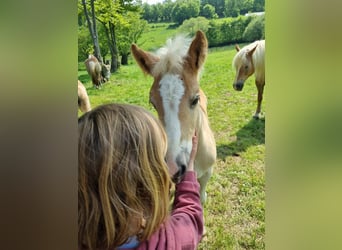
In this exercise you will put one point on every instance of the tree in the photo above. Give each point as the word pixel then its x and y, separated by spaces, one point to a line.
pixel 183 10
pixel 108 15
pixel 259 5
pixel 234 8
pixel 193 8
pixel 147 12
pixel 111 15
pixel 129 33
pixel 179 12
pixel 208 11
pixel 191 25
pixel 231 8
pixel 166 10
pixel 156 12
pixel 255 30
pixel 246 6
pixel 92 28
pixel 219 6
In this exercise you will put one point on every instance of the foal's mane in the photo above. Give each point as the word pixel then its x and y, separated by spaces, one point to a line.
pixel 258 58
pixel 240 54
pixel 172 55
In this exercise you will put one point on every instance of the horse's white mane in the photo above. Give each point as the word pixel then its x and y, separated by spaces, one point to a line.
pixel 172 55
pixel 257 55
pixel 258 58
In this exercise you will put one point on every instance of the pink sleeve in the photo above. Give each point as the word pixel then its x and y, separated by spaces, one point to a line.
pixel 187 214
pixel 184 228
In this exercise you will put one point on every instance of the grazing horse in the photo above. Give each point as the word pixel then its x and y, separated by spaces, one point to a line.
pixel 181 104
pixel 251 60
pixel 83 99
pixel 99 72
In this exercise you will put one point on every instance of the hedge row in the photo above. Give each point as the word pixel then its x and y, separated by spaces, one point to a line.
pixel 235 30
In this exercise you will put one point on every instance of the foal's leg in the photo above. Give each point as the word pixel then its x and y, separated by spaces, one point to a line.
pixel 260 87
pixel 203 183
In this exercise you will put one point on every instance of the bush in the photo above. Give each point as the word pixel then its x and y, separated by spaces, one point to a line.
pixel 227 31
pixel 213 34
pixel 255 29
pixel 190 26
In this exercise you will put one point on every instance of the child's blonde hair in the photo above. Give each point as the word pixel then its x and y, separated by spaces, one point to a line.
pixel 123 179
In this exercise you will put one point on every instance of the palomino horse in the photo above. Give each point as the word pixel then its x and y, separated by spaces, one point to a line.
pixel 83 99
pixel 99 72
pixel 251 59
pixel 181 104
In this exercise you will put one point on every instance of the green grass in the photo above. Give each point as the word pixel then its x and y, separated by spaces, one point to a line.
pixel 156 36
pixel 235 209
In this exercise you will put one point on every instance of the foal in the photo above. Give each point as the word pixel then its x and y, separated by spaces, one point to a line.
pixel 248 61
pixel 180 103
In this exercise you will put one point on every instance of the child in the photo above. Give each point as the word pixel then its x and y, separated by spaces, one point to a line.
pixel 124 183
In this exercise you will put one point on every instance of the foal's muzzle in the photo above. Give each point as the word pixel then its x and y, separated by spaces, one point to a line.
pixel 179 175
pixel 238 86
pixel 181 164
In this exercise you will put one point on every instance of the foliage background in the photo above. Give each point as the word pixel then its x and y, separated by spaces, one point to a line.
pixel 130 19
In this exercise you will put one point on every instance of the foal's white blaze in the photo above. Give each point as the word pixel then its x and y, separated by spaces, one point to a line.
pixel 171 92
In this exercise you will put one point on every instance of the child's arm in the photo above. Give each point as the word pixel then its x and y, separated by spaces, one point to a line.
pixel 187 208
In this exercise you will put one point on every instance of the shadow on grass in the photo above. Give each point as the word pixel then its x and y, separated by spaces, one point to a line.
pixel 172 26
pixel 253 133
pixel 84 78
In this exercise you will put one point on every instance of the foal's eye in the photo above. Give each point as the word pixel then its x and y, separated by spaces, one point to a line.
pixel 195 101
pixel 246 66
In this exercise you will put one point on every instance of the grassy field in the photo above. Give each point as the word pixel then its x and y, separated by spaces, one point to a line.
pixel 235 208
pixel 156 35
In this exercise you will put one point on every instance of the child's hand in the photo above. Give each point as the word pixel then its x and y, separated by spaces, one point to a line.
pixel 193 152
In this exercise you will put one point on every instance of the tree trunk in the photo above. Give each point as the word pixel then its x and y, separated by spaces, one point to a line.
pixel 115 64
pixel 124 59
pixel 92 28
pixel 110 34
pixel 115 56
pixel 97 52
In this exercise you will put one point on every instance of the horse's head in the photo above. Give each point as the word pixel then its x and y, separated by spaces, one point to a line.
pixel 175 93
pixel 243 64
pixel 105 71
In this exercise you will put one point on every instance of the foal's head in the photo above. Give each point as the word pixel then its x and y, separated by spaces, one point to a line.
pixel 243 64
pixel 175 93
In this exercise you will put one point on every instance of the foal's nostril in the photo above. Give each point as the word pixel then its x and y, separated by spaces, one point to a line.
pixel 182 169
pixel 178 176
pixel 238 86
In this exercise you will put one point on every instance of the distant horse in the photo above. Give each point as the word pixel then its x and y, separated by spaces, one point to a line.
pixel 251 59
pixel 99 72
pixel 83 99
pixel 105 72
pixel 181 104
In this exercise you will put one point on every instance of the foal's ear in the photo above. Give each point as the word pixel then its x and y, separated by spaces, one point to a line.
pixel 198 51
pixel 250 52
pixel 237 47
pixel 145 60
